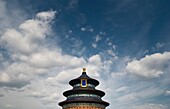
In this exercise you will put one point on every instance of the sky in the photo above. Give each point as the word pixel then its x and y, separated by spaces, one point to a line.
pixel 125 44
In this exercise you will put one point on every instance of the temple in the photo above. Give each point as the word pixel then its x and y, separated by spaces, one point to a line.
pixel 84 95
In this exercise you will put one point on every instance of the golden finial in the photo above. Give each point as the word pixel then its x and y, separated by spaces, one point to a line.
pixel 84 69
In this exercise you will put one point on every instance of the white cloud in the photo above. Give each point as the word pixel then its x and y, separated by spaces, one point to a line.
pixel 51 59
pixel 15 76
pixel 87 28
pixel 149 106
pixel 110 44
pixel 117 74
pixel 15 42
pixel 30 53
pixel 145 52
pixel 167 92
pixel 39 94
pixel 151 66
pixel 9 106
pixel 127 97
pixel 63 77
pixel 46 96
pixel 159 45
pixel 114 47
pixel 93 66
pixel 148 92
pixel 94 45
pixel 95 59
pixel 122 89
pixel 52 98
pixel 30 34
pixel 4 77
pixel 91 29
pixel 112 53
pixel 102 33
pixel 98 38
pixel 83 29
pixel 46 16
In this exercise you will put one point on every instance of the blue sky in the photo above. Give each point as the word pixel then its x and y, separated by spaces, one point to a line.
pixel 122 43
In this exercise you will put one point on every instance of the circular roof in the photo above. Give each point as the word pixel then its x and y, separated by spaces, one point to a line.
pixel 85 91
pixel 84 76
pixel 84 101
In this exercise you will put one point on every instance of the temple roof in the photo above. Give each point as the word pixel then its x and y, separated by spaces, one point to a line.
pixel 84 91
pixel 84 100
pixel 84 76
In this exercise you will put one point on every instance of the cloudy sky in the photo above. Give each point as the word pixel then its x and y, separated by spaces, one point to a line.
pixel 125 44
